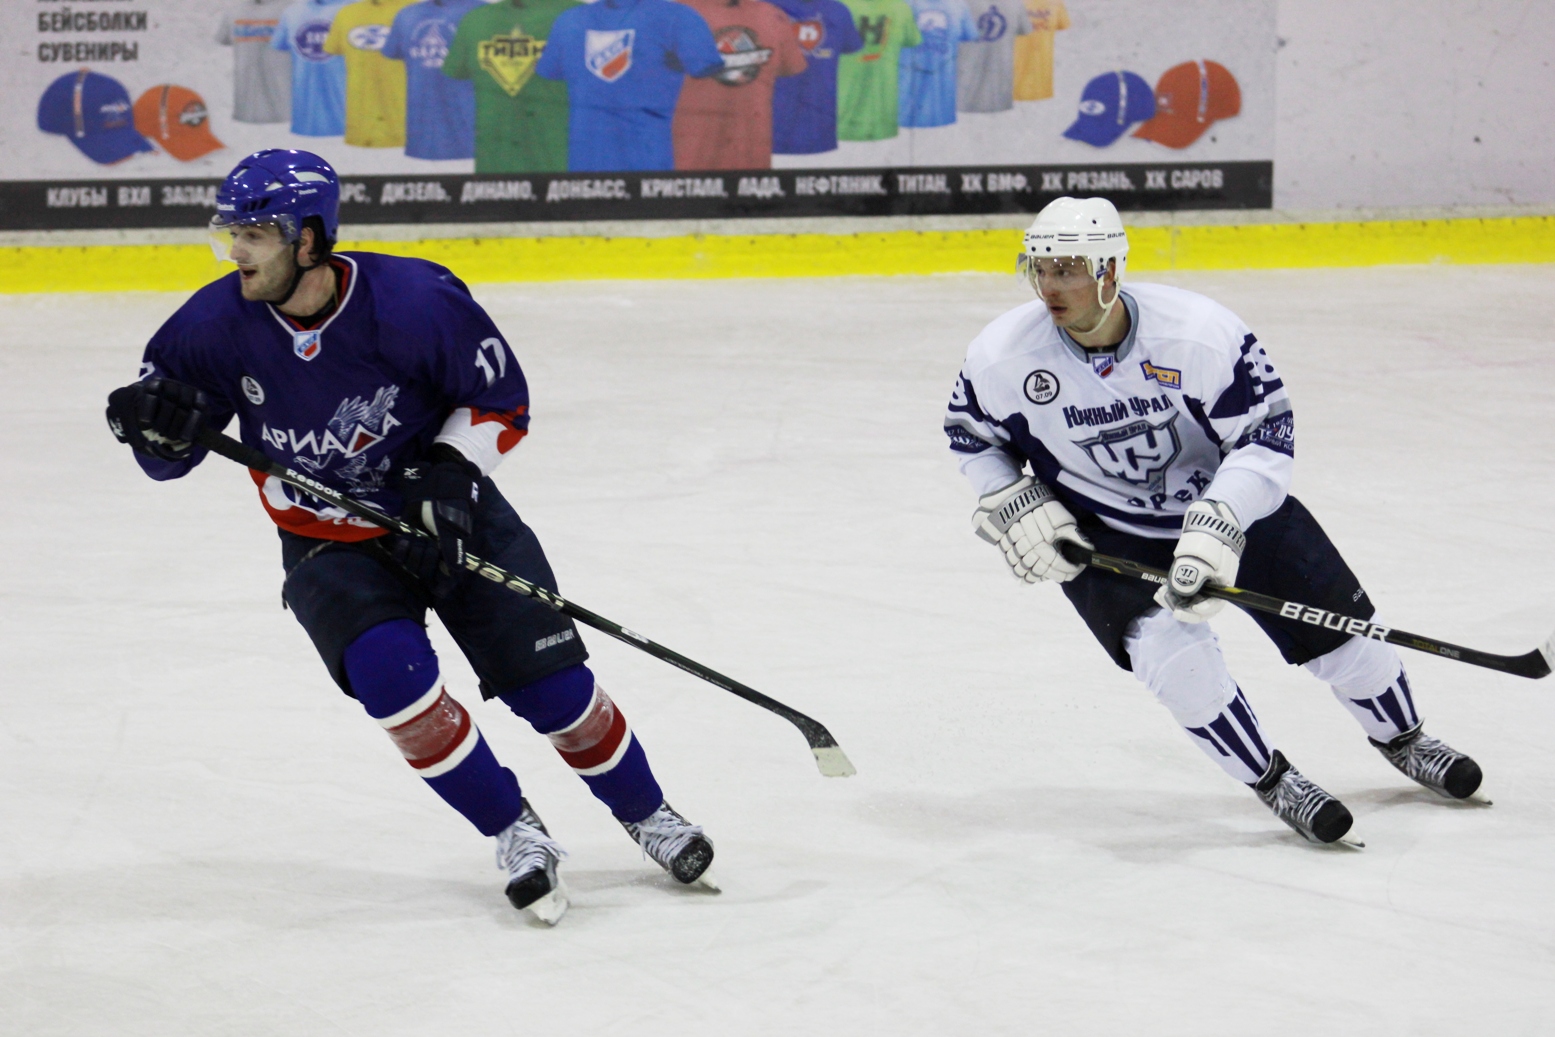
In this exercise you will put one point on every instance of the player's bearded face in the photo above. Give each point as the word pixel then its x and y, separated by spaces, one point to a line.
pixel 265 261
pixel 1067 287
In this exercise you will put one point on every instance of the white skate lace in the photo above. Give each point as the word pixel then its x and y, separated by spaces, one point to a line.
pixel 1296 800
pixel 1424 759
pixel 663 834
pixel 523 848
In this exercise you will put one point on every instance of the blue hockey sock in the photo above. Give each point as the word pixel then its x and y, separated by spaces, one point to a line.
pixel 393 672
pixel 593 737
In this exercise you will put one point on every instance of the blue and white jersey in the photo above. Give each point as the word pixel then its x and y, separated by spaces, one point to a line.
pixel 1188 406
pixel 439 111
pixel 318 77
pixel 407 359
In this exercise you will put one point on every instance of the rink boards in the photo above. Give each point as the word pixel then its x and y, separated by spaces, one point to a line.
pixel 1523 239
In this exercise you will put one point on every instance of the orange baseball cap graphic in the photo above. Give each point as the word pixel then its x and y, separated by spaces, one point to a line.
pixel 1188 99
pixel 176 120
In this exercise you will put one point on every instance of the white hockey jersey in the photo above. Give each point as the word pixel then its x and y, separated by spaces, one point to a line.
pixel 1187 406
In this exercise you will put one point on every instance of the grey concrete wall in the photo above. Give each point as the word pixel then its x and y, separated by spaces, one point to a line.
pixel 1392 103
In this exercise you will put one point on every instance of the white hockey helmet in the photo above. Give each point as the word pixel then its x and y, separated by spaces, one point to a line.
pixel 1088 228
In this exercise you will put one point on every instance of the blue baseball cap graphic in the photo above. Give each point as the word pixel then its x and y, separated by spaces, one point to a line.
pixel 93 112
pixel 1109 105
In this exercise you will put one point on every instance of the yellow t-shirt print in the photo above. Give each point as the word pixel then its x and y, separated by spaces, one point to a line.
pixel 375 86
pixel 1034 51
pixel 510 59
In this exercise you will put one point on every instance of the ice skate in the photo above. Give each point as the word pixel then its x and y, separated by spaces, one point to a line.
pixel 1433 763
pixel 526 851
pixel 1300 803
pixel 676 845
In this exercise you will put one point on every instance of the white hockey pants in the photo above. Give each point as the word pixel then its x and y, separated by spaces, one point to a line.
pixel 1182 666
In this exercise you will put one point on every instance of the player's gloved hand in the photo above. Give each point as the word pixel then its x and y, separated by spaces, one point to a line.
pixel 1026 521
pixel 440 494
pixel 158 416
pixel 1208 552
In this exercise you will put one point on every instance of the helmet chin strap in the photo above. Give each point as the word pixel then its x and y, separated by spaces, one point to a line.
pixel 1106 307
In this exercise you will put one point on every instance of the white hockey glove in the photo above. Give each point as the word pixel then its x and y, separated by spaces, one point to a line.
pixel 1208 552
pixel 1026 521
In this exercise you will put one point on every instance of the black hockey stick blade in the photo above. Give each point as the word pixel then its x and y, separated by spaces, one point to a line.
pixel 1534 664
pixel 829 757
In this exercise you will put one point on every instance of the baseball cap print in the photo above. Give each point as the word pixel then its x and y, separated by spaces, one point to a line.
pixel 1188 100
pixel 176 118
pixel 93 112
pixel 1109 105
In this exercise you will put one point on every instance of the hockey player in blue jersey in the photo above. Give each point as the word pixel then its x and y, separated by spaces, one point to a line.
pixel 381 377
pixel 1156 429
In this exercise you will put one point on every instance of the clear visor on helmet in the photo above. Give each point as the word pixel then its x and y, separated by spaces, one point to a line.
pixel 251 241
pixel 1060 273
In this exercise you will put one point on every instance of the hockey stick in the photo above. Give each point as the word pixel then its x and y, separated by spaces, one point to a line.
pixel 829 756
pixel 1533 664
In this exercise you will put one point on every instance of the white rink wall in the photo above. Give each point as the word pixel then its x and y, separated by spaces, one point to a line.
pixel 1409 103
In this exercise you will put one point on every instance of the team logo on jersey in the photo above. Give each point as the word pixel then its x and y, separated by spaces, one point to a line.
pixel 811 33
pixel 608 54
pixel 1101 363
pixel 368 37
pixel 356 427
pixel 253 390
pixel 934 27
pixel 1041 387
pixel 309 41
pixel 1161 375
pixel 991 25
pixel 307 344
pixel 429 47
pixel 743 57
pixel 510 59
pixel 1139 453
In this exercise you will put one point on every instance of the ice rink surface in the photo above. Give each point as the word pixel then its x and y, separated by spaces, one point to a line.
pixel 201 836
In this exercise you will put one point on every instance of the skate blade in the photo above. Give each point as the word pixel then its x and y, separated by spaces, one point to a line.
pixel 1350 841
pixel 707 882
pixel 550 908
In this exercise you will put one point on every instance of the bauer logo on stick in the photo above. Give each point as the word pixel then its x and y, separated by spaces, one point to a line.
pixel 1041 387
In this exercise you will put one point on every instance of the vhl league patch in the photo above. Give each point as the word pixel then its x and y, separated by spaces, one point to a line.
pixel 307 344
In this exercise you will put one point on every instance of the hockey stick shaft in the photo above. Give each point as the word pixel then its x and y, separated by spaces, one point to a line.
pixel 1533 664
pixel 829 757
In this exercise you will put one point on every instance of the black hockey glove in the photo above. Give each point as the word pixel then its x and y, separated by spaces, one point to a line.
pixel 158 416
pixel 440 493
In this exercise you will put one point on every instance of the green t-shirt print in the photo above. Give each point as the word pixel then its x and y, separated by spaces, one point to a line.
pixel 866 80
pixel 520 119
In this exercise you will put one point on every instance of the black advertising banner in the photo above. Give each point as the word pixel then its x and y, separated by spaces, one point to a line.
pixel 453 111
pixel 36 205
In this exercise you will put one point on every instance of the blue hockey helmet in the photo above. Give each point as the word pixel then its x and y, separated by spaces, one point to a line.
pixel 277 186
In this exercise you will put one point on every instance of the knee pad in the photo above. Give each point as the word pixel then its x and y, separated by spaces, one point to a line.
pixel 393 671
pixel 1361 665
pixel 1182 666
pixel 573 711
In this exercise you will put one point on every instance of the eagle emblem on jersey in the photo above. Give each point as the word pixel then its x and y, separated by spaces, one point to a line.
pixel 1139 453
pixel 608 54
pixel 510 59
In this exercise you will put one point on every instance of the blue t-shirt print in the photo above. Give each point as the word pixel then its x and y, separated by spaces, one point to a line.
pixel 318 79
pixel 624 62
pixel 439 111
pixel 804 107
pixel 926 76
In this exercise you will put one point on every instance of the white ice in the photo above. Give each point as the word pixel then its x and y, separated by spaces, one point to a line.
pixel 199 835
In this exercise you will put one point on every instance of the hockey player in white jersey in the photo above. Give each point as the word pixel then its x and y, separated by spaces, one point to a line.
pixel 1147 422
